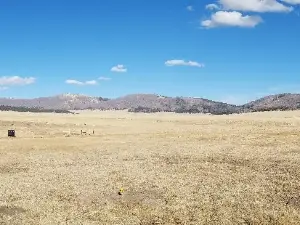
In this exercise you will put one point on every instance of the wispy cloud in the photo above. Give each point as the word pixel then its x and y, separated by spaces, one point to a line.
pixel 180 62
pixel 91 82
pixel 16 81
pixel 119 69
pixel 292 2
pixel 236 19
pixel 212 7
pixel 190 8
pixel 104 78
pixel 257 5
pixel 81 83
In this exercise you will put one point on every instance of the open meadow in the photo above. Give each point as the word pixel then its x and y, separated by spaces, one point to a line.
pixel 174 168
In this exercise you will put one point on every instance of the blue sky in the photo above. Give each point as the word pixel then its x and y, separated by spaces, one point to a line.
pixel 227 50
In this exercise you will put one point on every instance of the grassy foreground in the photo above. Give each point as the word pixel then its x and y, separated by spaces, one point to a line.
pixel 175 169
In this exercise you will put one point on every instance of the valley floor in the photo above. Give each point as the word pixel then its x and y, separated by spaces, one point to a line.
pixel 174 169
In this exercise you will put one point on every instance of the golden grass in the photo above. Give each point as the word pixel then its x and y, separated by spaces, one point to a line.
pixel 175 169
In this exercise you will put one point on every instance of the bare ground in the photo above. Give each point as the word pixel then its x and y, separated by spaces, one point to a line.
pixel 175 169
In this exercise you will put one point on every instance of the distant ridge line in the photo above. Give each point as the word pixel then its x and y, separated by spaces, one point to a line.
pixel 155 103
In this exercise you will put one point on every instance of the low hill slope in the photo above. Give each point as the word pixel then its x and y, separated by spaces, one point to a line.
pixel 155 103
pixel 284 101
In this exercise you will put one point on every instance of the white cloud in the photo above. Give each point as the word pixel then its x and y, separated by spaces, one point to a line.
pixel 104 78
pixel 190 8
pixel 256 5
pixel 292 2
pixel 223 19
pixel 212 7
pixel 179 62
pixel 76 82
pixel 119 69
pixel 91 82
pixel 16 80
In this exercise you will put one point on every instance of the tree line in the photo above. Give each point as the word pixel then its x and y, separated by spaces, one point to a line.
pixel 31 109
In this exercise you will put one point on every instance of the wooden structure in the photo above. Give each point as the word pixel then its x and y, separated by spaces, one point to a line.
pixel 11 133
pixel 86 133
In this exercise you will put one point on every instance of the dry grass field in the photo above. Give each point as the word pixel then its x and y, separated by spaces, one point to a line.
pixel 175 169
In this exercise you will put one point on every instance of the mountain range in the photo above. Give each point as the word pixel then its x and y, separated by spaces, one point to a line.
pixel 155 103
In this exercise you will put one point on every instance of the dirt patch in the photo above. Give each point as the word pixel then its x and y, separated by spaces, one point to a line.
pixel 229 160
pixel 11 210
pixel 294 202
pixel 148 196
pixel 11 169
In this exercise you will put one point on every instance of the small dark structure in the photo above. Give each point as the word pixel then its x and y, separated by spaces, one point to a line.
pixel 11 133
pixel 86 132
